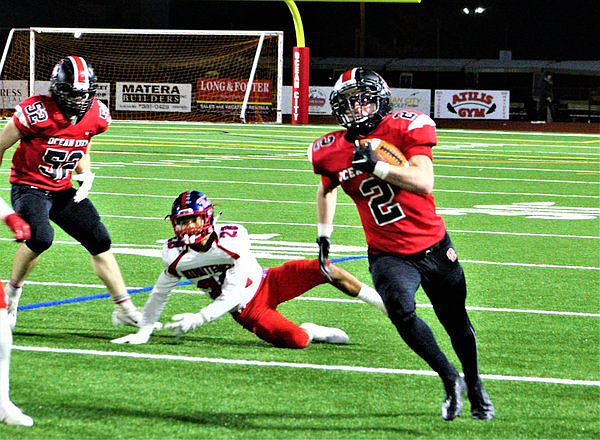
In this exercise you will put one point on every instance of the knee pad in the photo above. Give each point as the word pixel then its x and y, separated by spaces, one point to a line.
pixel 41 238
pixel 97 241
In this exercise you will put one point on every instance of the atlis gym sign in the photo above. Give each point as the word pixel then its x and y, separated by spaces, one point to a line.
pixel 472 104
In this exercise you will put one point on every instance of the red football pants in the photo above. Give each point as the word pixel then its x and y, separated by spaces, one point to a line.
pixel 281 284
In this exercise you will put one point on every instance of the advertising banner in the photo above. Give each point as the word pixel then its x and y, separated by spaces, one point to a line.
pixel 412 99
pixel 12 92
pixel 318 100
pixel 471 104
pixel 226 95
pixel 154 97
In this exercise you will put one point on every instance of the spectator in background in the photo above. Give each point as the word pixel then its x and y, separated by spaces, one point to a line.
pixel 546 99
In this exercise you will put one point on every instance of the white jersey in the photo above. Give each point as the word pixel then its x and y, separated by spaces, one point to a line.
pixel 228 272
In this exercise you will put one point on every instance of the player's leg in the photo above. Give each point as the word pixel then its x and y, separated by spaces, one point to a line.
pixel 33 205
pixel 82 222
pixel 447 290
pixel 397 281
pixel 261 317
pixel 292 279
pixel 276 329
pixel 352 286
pixel 9 413
pixel 296 277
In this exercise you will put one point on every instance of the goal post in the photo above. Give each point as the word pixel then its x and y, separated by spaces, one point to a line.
pixel 178 75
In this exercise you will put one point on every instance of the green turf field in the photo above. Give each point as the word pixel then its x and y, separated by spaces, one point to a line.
pixel 522 209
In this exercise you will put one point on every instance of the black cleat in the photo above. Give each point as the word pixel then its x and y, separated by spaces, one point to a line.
pixel 453 404
pixel 482 407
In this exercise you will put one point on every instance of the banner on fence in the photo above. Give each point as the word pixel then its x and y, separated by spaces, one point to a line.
pixel 471 104
pixel 318 100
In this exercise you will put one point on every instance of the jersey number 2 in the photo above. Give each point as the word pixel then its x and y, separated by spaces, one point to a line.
pixel 381 201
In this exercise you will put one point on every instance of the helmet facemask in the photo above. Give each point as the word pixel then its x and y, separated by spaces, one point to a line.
pixel 360 100
pixel 73 86
pixel 192 229
pixel 192 217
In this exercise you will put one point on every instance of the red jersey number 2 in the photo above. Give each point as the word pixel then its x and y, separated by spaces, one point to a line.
pixel 381 201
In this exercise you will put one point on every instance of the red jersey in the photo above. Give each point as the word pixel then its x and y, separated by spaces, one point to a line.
pixel 51 146
pixel 394 220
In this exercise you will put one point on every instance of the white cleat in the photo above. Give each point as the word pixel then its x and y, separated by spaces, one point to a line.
pixel 10 414
pixel 328 335
pixel 121 317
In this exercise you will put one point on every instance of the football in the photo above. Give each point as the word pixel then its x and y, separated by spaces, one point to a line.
pixel 385 151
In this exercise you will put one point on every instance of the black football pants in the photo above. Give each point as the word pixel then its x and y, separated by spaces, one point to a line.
pixel 397 280
pixel 80 220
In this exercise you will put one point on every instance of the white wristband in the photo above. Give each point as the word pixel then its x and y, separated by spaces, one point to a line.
pixel 324 230
pixel 381 169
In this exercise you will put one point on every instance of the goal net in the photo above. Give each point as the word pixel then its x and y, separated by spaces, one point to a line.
pixel 218 76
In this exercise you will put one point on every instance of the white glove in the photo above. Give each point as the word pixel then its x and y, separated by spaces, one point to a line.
pixel 141 337
pixel 86 178
pixel 185 322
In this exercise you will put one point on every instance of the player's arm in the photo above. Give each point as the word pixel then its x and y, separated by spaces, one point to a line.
pixel 84 176
pixel 326 204
pixel 417 177
pixel 152 310
pixel 229 300
pixel 9 135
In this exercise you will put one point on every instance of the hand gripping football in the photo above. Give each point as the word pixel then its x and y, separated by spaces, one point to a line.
pixel 385 151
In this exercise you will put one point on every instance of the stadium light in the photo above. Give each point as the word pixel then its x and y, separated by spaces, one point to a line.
pixel 476 11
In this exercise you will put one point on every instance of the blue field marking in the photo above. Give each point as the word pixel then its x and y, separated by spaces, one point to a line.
pixel 88 298
pixel 77 299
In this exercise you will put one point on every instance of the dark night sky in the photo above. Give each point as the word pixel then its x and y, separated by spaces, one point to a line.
pixel 534 29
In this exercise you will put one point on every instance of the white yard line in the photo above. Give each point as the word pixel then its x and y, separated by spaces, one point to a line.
pixel 345 368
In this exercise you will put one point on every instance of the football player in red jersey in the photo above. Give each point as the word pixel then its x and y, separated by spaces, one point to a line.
pixel 407 241
pixel 9 412
pixel 54 133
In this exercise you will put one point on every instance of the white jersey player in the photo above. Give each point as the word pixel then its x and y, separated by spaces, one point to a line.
pixel 218 260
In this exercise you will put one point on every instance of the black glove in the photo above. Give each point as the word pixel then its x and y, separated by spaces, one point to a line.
pixel 364 160
pixel 324 244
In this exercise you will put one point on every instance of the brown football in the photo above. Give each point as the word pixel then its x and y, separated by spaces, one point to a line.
pixel 385 151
